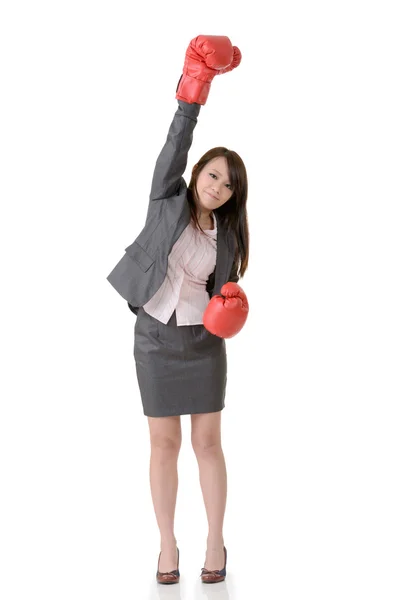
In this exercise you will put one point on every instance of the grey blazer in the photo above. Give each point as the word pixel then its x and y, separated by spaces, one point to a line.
pixel 143 268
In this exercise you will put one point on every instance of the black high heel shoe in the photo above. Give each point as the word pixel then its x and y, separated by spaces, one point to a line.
pixel 170 576
pixel 214 576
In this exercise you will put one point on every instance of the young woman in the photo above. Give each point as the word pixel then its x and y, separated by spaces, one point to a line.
pixel 180 278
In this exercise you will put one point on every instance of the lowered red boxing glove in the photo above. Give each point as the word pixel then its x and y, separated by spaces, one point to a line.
pixel 206 56
pixel 226 314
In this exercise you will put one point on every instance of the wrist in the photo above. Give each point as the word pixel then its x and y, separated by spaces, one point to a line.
pixel 192 90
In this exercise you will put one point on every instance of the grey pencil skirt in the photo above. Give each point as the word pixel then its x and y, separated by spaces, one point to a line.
pixel 181 370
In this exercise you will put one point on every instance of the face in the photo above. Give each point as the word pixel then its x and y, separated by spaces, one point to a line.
pixel 213 184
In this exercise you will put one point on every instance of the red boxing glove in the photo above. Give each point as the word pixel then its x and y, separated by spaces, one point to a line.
pixel 225 316
pixel 206 56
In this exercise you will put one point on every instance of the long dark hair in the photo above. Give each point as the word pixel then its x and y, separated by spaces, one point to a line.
pixel 233 213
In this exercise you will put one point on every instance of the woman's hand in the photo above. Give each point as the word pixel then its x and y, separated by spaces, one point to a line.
pixel 226 314
pixel 206 56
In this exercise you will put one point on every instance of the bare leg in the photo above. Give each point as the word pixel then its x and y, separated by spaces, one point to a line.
pixel 206 442
pixel 165 439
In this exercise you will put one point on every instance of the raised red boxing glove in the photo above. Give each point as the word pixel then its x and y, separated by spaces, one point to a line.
pixel 226 314
pixel 206 56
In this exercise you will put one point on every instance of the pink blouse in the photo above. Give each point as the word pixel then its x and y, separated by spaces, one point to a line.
pixel 191 261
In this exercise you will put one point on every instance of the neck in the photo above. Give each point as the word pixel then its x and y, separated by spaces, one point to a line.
pixel 204 215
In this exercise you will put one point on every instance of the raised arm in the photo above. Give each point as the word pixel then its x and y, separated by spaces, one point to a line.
pixel 206 56
pixel 172 160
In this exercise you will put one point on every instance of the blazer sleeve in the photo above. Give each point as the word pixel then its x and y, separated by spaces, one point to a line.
pixel 233 276
pixel 172 160
pixel 234 273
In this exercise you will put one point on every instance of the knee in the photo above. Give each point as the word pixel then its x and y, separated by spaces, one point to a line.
pixel 167 446
pixel 206 445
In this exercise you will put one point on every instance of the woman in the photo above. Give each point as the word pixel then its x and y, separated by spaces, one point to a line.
pixel 192 243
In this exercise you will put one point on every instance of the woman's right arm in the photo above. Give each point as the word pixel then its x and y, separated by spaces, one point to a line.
pixel 206 56
pixel 172 160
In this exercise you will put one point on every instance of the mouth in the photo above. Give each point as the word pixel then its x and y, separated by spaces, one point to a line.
pixel 213 197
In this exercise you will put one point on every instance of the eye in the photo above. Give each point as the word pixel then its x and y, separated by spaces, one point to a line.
pixel 228 184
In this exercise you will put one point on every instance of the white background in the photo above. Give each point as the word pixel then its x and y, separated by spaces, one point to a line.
pixel 311 424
